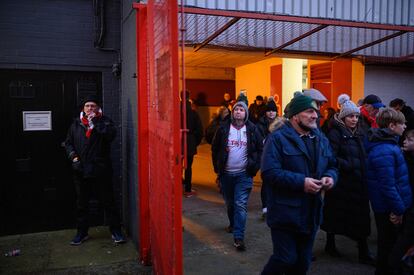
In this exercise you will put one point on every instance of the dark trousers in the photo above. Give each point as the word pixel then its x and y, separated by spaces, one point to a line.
pixel 102 187
pixel 292 253
pixel 404 241
pixel 387 235
pixel 263 195
pixel 188 174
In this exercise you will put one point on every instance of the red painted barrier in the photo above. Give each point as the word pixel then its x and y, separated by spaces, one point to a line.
pixel 159 163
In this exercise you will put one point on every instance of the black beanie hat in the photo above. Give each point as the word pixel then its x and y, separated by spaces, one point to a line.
pixel 271 105
pixel 90 98
pixel 299 104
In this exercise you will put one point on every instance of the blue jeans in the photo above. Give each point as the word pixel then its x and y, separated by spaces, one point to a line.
pixel 236 189
pixel 292 253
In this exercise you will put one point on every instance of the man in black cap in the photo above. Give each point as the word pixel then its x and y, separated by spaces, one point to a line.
pixel 369 109
pixel 257 109
pixel 88 146
pixel 399 105
pixel 297 165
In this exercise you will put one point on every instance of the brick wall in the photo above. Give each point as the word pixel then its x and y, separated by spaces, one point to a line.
pixel 59 35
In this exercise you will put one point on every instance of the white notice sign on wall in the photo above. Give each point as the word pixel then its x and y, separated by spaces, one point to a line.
pixel 37 120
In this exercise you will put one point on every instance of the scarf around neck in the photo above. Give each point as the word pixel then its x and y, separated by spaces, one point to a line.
pixel 88 123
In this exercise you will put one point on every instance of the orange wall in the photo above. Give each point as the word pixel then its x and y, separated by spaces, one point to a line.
pixel 342 80
pixel 358 78
pixel 255 78
pixel 347 77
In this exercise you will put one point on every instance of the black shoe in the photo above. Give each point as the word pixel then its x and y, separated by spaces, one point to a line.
pixel 118 237
pixel 367 259
pixel 239 244
pixel 79 238
pixel 332 251
pixel 229 229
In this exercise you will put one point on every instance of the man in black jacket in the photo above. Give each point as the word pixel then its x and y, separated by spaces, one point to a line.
pixel 194 137
pixel 88 146
pixel 400 105
pixel 236 151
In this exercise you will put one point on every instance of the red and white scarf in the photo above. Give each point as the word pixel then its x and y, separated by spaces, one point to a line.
pixel 88 123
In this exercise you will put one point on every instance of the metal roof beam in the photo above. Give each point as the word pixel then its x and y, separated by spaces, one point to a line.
pixel 370 44
pixel 407 57
pixel 217 33
pixel 296 19
pixel 300 37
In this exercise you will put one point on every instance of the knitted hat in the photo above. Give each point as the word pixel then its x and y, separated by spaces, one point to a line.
pixel 347 106
pixel 271 105
pixel 259 97
pixel 299 104
pixel 90 98
pixel 315 95
pixel 241 101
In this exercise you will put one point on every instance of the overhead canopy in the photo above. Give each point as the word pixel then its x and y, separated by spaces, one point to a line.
pixel 284 34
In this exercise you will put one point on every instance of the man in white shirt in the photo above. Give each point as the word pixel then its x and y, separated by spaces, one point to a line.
pixel 236 150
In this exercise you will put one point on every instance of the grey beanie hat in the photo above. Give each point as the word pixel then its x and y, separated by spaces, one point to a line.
pixel 244 106
pixel 347 106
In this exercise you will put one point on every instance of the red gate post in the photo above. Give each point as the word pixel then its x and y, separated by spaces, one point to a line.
pixel 159 163
pixel 178 235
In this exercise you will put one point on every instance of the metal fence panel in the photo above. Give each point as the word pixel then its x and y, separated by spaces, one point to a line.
pixel 164 190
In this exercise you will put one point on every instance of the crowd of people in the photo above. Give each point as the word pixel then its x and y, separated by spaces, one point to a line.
pixel 319 171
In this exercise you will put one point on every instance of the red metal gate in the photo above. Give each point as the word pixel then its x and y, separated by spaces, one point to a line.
pixel 159 163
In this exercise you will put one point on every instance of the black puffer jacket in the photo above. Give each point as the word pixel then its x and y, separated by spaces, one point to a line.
pixel 254 148
pixel 409 117
pixel 346 210
pixel 93 152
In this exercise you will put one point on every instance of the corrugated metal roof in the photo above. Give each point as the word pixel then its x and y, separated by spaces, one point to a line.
pixel 396 12
pixel 293 34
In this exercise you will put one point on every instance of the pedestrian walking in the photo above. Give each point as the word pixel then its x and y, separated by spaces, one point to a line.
pixel 257 109
pixel 236 151
pixel 369 110
pixel 263 126
pixel 405 239
pixel 223 114
pixel 388 184
pixel 400 105
pixel 346 209
pixel 194 134
pixel 297 165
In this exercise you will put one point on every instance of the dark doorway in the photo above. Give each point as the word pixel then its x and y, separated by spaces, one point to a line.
pixel 36 190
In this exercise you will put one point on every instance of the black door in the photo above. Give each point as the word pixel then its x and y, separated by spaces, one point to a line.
pixel 36 190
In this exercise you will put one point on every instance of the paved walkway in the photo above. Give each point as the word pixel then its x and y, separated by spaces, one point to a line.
pixel 208 249
pixel 50 253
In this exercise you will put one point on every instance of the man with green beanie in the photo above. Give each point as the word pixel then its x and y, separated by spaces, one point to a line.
pixel 297 165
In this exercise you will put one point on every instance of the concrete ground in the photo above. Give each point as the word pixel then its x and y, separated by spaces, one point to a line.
pixel 208 249
pixel 50 253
